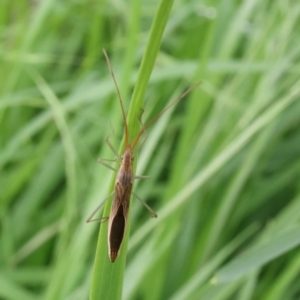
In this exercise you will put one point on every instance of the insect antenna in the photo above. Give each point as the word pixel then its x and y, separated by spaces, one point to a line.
pixel 119 95
pixel 163 111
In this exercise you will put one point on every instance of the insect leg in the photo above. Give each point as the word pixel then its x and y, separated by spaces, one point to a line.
pixel 142 177
pixel 152 212
pixel 146 135
pixel 112 147
pixel 89 219
pixel 102 162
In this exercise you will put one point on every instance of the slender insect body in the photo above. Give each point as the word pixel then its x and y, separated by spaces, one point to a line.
pixel 124 180
pixel 125 174
pixel 120 206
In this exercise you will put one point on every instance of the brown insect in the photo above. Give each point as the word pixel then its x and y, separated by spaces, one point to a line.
pixel 124 180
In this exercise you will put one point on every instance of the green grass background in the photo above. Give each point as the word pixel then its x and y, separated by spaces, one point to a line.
pixel 224 163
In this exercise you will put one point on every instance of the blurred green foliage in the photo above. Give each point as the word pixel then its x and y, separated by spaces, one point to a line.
pixel 224 163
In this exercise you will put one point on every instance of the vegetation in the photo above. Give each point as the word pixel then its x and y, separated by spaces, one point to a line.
pixel 224 162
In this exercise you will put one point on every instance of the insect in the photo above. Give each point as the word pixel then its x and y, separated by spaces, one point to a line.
pixel 117 219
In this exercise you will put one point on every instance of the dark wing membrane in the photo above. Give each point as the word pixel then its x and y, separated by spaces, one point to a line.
pixel 118 218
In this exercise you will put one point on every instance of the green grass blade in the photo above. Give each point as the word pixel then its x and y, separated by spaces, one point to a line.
pixel 259 255
pixel 107 278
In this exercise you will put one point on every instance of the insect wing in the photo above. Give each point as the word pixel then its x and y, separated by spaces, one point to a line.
pixel 118 219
